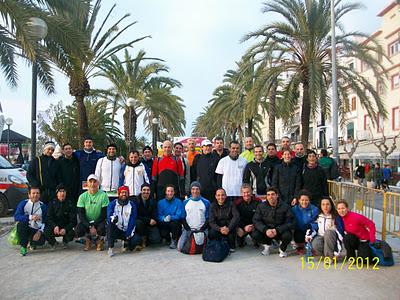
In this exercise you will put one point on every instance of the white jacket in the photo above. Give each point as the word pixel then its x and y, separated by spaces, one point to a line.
pixel 108 172
pixel 134 177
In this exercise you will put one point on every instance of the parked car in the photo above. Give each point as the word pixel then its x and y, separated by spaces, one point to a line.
pixel 13 186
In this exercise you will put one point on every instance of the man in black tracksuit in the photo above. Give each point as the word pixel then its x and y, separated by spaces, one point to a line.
pixel 273 220
pixel 299 158
pixel 272 161
pixel 246 206
pixel 314 179
pixel 146 224
pixel 60 219
pixel 287 179
pixel 256 172
pixel 203 171
pixel 70 174
pixel 223 219
pixel 44 172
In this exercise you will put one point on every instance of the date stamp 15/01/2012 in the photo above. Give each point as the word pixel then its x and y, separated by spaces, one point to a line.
pixel 350 263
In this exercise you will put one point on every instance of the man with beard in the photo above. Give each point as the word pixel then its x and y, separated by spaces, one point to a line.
pixel 121 222
pixel 272 161
pixel 147 160
pixel 43 172
pixel 299 158
pixel 219 149
pixel 230 171
pixel 69 169
pixel 108 169
pixel 133 174
pixel 256 172
pixel 285 145
pixel 203 170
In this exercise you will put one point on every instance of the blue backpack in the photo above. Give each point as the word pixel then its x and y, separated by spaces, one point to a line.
pixel 216 250
pixel 383 252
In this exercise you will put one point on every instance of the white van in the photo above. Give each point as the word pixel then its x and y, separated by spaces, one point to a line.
pixel 13 186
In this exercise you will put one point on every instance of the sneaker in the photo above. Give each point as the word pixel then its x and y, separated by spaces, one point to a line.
pixel 266 250
pixel 88 244
pixel 99 245
pixel 172 245
pixel 52 247
pixel 300 251
pixel 32 247
pixel 23 251
pixel 124 246
pixel 232 250
pixel 110 252
pixel 140 248
pixel 282 253
pixel 65 245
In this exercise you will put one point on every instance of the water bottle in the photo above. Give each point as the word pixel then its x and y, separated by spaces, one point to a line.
pixel 308 248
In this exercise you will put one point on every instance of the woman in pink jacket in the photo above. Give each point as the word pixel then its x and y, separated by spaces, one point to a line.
pixel 359 231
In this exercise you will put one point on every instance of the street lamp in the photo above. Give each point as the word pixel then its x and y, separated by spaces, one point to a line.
pixel 335 117
pixel 9 122
pixel 165 131
pixel 130 102
pixel 155 122
pixel 37 29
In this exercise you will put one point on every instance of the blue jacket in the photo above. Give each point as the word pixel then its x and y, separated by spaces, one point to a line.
pixel 305 217
pixel 173 208
pixel 126 223
pixel 87 162
pixel 21 216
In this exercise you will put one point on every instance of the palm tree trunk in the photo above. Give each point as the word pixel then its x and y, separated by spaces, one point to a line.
pixel 305 114
pixel 250 127
pixel 272 114
pixel 133 122
pixel 83 127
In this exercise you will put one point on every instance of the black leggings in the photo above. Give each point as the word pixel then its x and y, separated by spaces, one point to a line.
pixel 285 237
pixel 114 233
pixel 51 237
pixel 174 228
pixel 26 234
pixel 216 235
pixel 83 230
pixel 353 243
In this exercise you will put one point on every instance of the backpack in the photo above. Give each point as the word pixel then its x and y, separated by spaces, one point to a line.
pixel 382 251
pixel 216 250
pixel 191 247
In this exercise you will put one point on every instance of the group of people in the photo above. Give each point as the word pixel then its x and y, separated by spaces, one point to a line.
pixel 276 198
pixel 381 177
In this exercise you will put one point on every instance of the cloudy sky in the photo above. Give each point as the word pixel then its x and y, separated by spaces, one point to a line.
pixel 199 41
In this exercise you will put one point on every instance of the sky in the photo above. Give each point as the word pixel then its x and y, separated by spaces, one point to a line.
pixel 199 41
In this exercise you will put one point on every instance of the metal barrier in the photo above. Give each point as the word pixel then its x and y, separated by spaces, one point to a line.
pixel 381 207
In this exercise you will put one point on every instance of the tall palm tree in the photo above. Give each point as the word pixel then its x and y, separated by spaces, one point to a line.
pixel 100 42
pixel 302 39
pixel 130 78
pixel 17 40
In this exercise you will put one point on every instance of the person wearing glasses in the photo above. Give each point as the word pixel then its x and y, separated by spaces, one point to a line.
pixel 44 172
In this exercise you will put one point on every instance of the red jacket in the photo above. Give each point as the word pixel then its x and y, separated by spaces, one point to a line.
pixel 360 226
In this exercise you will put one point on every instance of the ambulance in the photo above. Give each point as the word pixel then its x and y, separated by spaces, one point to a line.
pixel 13 186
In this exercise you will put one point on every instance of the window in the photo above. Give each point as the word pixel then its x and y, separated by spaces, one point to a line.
pixel 380 88
pixel 379 122
pixel 396 118
pixel 364 66
pixel 394 48
pixel 367 122
pixel 350 130
pixel 353 103
pixel 395 81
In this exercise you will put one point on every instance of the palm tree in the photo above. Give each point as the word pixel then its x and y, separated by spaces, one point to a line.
pixel 302 40
pixel 131 78
pixel 79 69
pixel 16 38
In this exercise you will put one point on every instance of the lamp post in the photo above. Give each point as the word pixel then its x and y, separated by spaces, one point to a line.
pixel 155 122
pixel 335 117
pixel 38 31
pixel 130 102
pixel 9 122
pixel 165 131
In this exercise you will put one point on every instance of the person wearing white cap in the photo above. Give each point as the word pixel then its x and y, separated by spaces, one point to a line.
pixel 92 213
pixel 43 172
pixel 203 170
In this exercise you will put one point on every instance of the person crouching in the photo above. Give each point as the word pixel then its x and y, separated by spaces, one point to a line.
pixel 121 221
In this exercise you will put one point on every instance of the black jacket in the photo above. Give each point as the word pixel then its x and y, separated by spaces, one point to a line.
pixel 272 162
pixel 44 172
pixel 69 177
pixel 280 217
pixel 62 214
pixel 314 181
pixel 287 179
pixel 256 174
pixel 223 215
pixel 146 209
pixel 225 152
pixel 246 211
pixel 299 162
pixel 203 171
